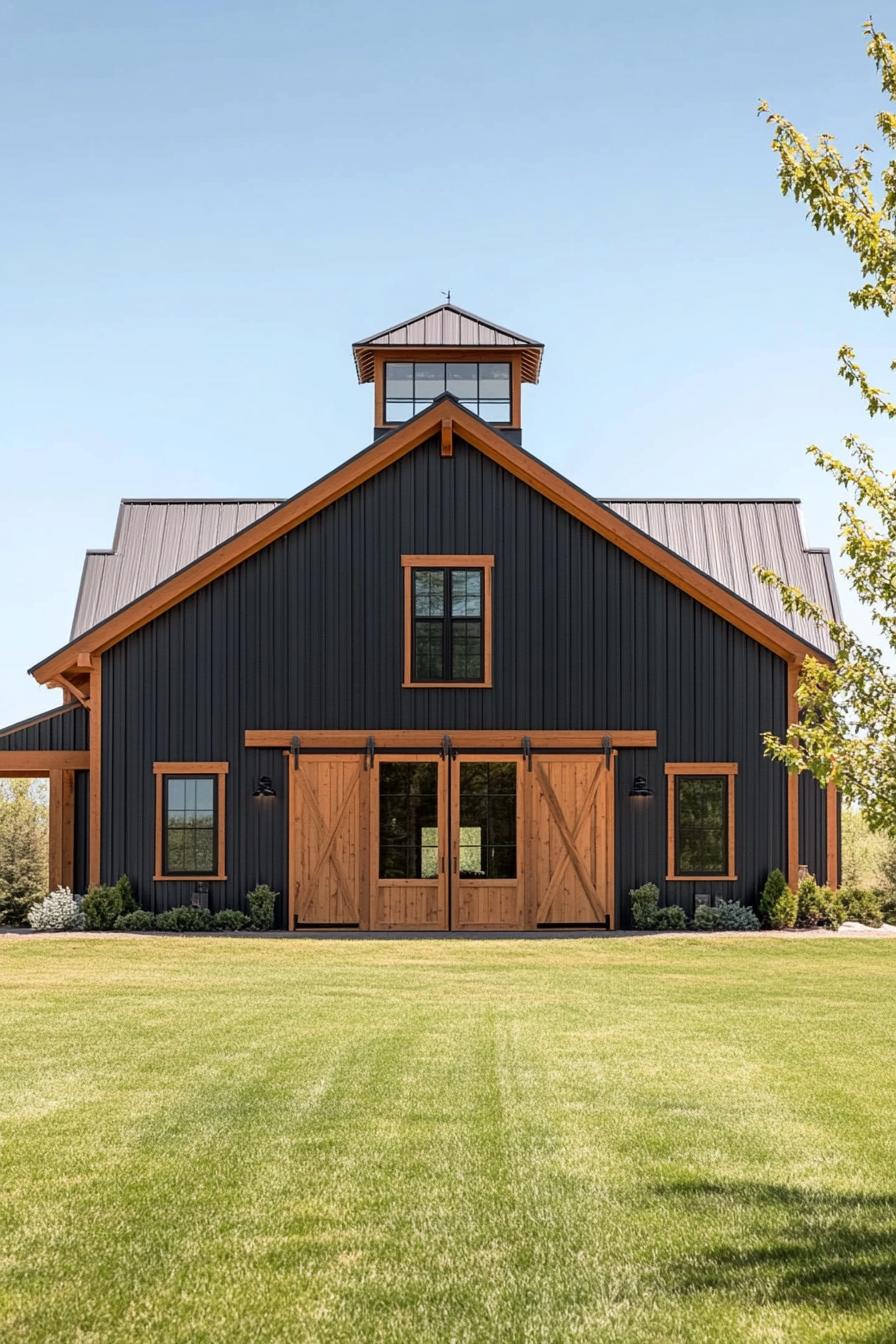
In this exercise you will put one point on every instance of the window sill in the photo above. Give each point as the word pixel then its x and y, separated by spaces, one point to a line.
pixel 724 877
pixel 446 685
pixel 189 877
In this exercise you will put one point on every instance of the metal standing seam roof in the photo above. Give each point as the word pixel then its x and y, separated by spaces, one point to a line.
pixel 450 326
pixel 154 538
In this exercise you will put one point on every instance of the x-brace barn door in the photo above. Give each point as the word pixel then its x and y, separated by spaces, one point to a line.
pixel 570 829
pixel 329 818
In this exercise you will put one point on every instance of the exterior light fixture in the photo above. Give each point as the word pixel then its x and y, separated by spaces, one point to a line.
pixel 639 788
pixel 264 788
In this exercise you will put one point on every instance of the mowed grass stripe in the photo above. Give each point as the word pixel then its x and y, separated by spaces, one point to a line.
pixel 209 1139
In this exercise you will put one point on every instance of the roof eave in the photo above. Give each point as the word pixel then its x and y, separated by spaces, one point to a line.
pixel 373 459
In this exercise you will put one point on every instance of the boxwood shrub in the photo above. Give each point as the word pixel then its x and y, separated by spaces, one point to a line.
pixel 184 919
pixel 135 921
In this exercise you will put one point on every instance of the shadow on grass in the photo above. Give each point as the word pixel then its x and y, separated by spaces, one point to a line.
pixel 786 1244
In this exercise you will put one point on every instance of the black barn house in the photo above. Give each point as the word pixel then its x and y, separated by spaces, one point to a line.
pixel 442 687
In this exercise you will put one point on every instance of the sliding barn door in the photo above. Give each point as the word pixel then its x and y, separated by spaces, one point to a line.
pixel 570 840
pixel 409 826
pixel 329 841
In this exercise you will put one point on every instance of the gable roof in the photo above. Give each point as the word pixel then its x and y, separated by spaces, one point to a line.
pixel 278 518
pixel 155 538
pixel 450 326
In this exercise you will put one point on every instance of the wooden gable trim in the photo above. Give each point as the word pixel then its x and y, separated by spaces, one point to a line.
pixel 386 450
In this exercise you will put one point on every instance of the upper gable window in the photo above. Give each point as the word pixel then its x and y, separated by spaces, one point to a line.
pixel 448 620
pixel 483 389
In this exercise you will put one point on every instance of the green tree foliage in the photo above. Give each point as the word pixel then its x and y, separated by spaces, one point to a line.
pixel 24 847
pixel 847 728
pixel 869 857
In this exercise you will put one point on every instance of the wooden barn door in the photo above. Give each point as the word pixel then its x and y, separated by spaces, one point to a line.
pixel 487 849
pixel 571 840
pixel 409 826
pixel 329 841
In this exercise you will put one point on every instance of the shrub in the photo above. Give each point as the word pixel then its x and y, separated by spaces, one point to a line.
pixel 818 907
pixel 184 919
pixel 704 919
pixel 731 915
pixel 645 903
pixel 60 910
pixel 230 919
pixel 135 920
pixel 887 906
pixel 261 906
pixel 125 889
pixel 777 904
pixel 864 906
pixel 101 907
pixel 725 916
pixel 670 917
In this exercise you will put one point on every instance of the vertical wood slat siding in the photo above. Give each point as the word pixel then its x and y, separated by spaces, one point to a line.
pixel 67 730
pixel 813 827
pixel 308 633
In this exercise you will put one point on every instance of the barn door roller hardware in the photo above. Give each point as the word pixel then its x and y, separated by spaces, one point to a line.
pixel 295 747
pixel 369 753
pixel 526 748
pixel 448 753
pixel 607 745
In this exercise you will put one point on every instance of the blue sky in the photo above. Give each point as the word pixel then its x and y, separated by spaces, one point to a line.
pixel 205 203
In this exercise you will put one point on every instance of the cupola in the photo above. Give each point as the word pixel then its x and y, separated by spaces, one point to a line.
pixel 448 351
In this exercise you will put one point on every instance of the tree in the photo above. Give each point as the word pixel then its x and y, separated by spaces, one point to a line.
pixel 24 847
pixel 847 729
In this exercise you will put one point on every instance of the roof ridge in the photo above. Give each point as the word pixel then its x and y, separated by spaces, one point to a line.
pixel 448 308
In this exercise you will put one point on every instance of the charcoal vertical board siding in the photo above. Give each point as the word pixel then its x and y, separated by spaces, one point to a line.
pixel 62 729
pixel 813 827
pixel 80 878
pixel 308 634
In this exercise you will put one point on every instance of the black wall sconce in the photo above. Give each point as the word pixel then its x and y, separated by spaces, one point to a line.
pixel 639 788
pixel 264 788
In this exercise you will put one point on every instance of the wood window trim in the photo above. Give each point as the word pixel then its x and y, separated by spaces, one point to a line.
pixel 484 562
pixel 676 769
pixel 219 770
pixel 463 354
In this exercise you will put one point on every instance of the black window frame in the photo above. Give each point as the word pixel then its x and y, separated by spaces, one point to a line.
pixel 488 795
pixel 448 622
pixel 186 873
pixel 480 401
pixel 703 870
pixel 412 846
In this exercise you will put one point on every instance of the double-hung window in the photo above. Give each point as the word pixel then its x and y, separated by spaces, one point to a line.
pixel 190 820
pixel 447 620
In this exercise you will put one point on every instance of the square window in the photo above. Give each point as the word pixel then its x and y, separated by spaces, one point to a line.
pixel 399 382
pixel 429 381
pixel 463 382
pixel 494 382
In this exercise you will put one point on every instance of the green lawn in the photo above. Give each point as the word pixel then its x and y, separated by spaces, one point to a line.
pixel 631 1139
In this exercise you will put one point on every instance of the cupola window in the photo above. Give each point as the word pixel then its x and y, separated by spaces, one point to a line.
pixel 482 388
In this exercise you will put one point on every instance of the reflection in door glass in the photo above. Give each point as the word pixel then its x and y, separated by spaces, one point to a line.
pixel 487 839
pixel 409 820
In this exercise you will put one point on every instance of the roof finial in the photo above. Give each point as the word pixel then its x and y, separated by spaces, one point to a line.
pixel 447 293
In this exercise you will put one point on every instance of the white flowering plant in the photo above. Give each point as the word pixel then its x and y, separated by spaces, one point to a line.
pixel 59 911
